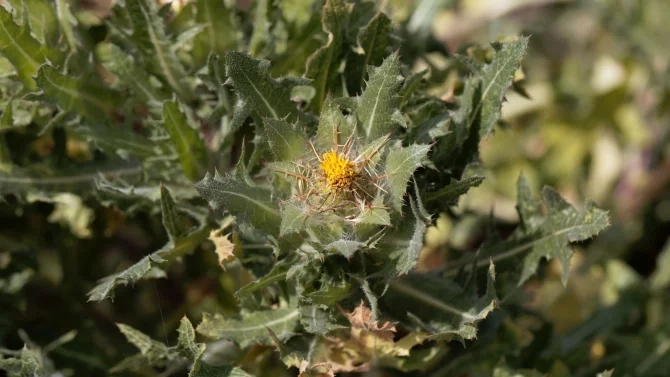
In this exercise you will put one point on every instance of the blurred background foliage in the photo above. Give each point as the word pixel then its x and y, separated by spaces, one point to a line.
pixel 589 117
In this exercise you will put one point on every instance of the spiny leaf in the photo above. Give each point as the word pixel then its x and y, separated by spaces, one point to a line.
pixel 399 167
pixel 171 221
pixel 149 267
pixel 552 234
pixel 293 218
pixel 496 78
pixel 74 179
pixel 21 49
pixel 186 344
pixel 331 291
pixel 331 123
pixel 81 95
pixel 373 42
pixel 42 19
pixel 317 319
pixel 257 91
pixel 120 141
pixel 432 129
pixel 155 46
pixel 129 76
pixel 28 364
pixel 440 307
pixel 450 193
pixel 411 241
pixel 543 235
pixel 250 204
pixel 251 328
pixel 411 85
pixel 187 142
pixel 377 111
pixel 346 248
pixel 277 274
pixel 375 214
pixel 323 65
pixel 145 343
pixel 261 36
pixel 286 144
pixel 158 354
pixel 66 19
pixel 219 33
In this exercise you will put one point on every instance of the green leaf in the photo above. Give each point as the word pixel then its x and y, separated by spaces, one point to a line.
pixel 157 354
pixel 257 91
pixel 496 79
pixel 543 234
pixel 346 248
pixel 129 74
pixel 81 95
pixel 120 141
pixel 66 19
pixel 152 349
pixel 251 327
pixel 440 307
pixel 261 36
pixel 372 300
pixel 220 31
pixel 373 42
pixel 460 146
pixel 406 256
pixel 193 351
pixel 553 233
pixel 323 65
pixel 401 162
pixel 317 319
pixel 249 204
pixel 28 364
pixel 187 141
pixel 332 122
pixel 171 221
pixel 293 218
pixel 41 17
pixel 186 344
pixel 21 49
pixel 155 46
pixel 151 266
pixel 375 214
pixel 7 118
pixel 607 373
pixel 432 129
pixel 331 291
pixel 286 144
pixel 276 275
pixel 450 193
pixel 377 111
pixel 75 179
pixel 410 86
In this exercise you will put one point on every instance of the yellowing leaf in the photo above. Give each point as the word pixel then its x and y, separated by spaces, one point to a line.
pixel 225 249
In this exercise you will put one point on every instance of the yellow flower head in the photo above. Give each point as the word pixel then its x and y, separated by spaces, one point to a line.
pixel 338 170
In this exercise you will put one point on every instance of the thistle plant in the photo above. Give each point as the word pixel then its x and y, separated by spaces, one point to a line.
pixel 316 165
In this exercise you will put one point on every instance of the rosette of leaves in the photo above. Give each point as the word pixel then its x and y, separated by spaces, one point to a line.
pixel 336 125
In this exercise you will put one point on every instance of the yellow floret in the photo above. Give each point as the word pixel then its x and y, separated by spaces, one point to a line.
pixel 339 171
